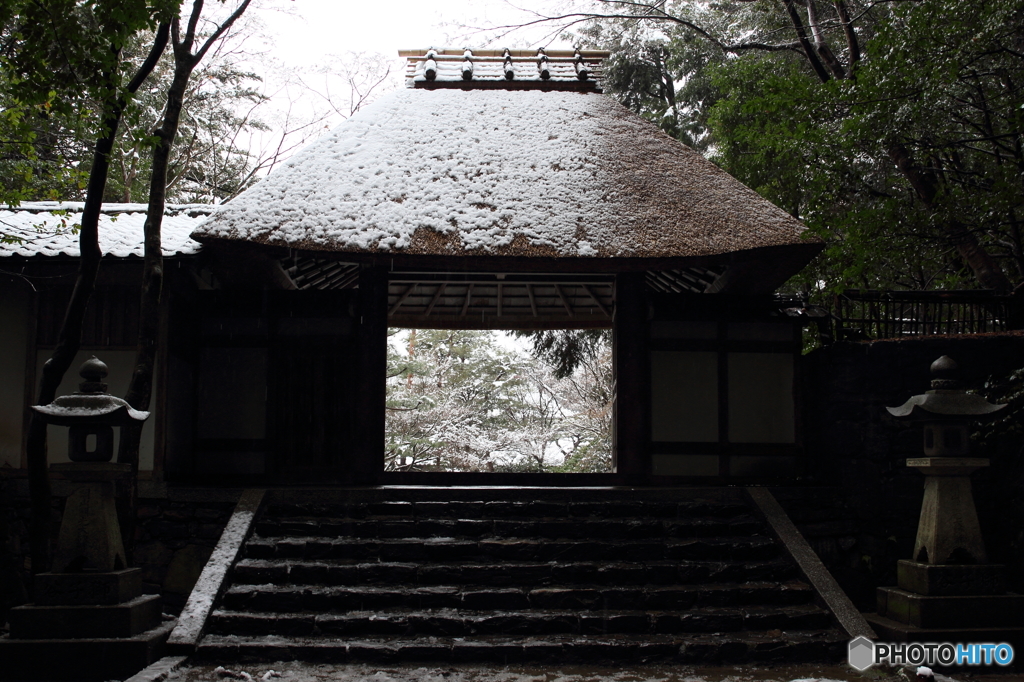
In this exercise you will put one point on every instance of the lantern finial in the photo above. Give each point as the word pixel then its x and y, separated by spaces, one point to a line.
pixel 946 373
pixel 93 371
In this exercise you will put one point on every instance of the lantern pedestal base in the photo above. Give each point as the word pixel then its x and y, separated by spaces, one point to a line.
pixel 77 621
pixel 950 611
pixel 948 530
pixel 949 603
pixel 83 659
pixel 950 580
pixel 889 630
pixel 115 587
pixel 88 625
pixel 90 536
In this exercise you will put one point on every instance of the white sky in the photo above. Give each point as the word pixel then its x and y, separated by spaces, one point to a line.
pixel 308 30
pixel 308 49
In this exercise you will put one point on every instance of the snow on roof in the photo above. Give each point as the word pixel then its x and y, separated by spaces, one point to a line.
pixel 50 228
pixel 505 173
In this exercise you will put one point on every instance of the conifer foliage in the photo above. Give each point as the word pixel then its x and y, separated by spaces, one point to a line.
pixel 894 130
pixel 463 401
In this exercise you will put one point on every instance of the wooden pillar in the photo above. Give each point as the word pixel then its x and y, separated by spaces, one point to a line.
pixel 367 460
pixel 631 367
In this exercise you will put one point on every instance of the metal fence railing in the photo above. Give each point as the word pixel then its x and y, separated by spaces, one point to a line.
pixel 872 314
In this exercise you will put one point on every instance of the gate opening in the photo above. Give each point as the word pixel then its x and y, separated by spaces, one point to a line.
pixel 463 400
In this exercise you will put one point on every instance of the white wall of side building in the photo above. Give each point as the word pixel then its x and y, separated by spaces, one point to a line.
pixel 15 307
pixel 120 364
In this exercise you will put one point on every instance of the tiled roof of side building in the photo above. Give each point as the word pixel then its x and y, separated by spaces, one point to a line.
pixel 50 228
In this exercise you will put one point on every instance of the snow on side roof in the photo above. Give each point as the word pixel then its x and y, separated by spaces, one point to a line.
pixel 506 173
pixel 37 230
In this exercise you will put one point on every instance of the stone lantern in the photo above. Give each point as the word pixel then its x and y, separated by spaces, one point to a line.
pixel 948 589
pixel 90 537
pixel 89 613
pixel 948 532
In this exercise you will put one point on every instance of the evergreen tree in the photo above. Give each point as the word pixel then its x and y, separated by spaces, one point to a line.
pixel 460 401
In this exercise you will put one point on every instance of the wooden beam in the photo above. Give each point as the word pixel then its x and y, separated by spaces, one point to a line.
pixel 465 304
pixel 401 300
pixel 631 411
pixel 533 301
pixel 565 302
pixel 524 321
pixel 437 296
pixel 499 298
pixel 655 284
pixel 600 305
pixel 667 283
pixel 366 457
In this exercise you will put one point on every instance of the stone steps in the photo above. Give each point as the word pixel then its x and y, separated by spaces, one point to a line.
pixel 445 549
pixel 550 528
pixel 584 575
pixel 578 504
pixel 300 572
pixel 739 647
pixel 287 598
pixel 461 623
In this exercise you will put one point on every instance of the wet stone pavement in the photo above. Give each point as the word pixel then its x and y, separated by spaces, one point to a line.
pixel 294 671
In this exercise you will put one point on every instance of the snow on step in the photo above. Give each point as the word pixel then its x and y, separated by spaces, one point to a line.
pixel 440 549
pixel 582 597
pixel 281 571
pixel 792 646
pixel 452 622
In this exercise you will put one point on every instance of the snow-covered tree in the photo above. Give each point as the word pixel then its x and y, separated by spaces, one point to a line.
pixel 461 401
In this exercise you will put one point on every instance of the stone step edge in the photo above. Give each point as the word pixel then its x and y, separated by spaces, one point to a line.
pixel 739 517
pixel 809 607
pixel 249 588
pixel 434 541
pixel 514 500
pixel 791 609
pixel 289 571
pixel 653 563
pixel 790 646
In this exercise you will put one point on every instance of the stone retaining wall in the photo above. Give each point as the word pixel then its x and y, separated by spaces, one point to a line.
pixel 174 537
pixel 867 519
pixel 173 540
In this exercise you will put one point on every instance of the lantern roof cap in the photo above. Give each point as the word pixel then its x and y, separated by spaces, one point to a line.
pixel 945 403
pixel 946 399
pixel 91 404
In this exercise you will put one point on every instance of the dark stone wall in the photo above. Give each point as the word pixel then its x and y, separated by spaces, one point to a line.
pixel 865 517
pixel 174 536
pixel 173 540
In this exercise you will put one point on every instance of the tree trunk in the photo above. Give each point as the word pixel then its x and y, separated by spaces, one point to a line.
pixel 141 387
pixel 985 269
pixel 68 341
pixel 70 337
pixel 805 43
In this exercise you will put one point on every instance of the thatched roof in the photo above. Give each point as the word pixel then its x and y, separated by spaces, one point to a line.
pixel 489 172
